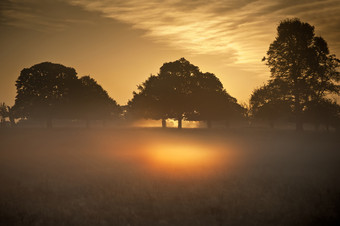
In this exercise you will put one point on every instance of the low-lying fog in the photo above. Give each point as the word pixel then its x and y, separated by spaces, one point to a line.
pixel 168 177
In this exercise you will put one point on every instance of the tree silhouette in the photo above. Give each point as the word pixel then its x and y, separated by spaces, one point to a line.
pixel 271 103
pixel 150 102
pixel 168 94
pixel 181 91
pixel 302 62
pixel 3 113
pixel 93 102
pixel 323 111
pixel 177 82
pixel 45 91
pixel 210 101
pixel 11 115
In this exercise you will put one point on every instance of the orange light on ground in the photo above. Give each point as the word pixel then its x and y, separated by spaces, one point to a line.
pixel 179 154
pixel 173 155
pixel 182 157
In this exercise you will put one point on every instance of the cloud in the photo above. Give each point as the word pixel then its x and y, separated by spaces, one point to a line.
pixel 239 30
pixel 43 16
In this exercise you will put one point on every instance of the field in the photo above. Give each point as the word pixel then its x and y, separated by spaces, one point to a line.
pixel 168 177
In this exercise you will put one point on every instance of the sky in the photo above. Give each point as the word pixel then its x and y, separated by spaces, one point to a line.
pixel 121 42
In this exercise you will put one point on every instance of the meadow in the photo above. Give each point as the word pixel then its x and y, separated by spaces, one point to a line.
pixel 152 176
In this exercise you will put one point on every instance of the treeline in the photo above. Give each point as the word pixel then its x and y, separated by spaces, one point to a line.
pixel 48 91
pixel 180 91
pixel 303 75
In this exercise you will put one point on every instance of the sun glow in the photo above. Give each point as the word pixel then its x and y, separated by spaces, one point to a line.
pixel 184 155
pixel 184 158
pixel 178 156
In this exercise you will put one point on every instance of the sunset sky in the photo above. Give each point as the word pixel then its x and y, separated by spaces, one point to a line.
pixel 121 42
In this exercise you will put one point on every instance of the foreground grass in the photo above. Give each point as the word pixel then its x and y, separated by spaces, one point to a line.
pixel 97 177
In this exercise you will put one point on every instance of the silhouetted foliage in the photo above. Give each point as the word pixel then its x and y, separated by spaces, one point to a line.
pixel 323 111
pixel 271 103
pixel 177 82
pixel 46 91
pixel 181 91
pixel 210 101
pixel 301 61
pixel 50 91
pixel 93 102
pixel 3 114
pixel 149 101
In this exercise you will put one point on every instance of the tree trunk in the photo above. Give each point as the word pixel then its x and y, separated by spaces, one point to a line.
pixel 163 123
pixel 11 119
pixel 209 124
pixel 179 123
pixel 297 104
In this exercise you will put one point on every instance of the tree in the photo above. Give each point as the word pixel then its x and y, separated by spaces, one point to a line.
pixel 271 103
pixel 302 62
pixel 45 91
pixel 177 79
pixel 7 112
pixel 181 91
pixel 93 102
pixel 3 113
pixel 168 94
pixel 149 102
pixel 323 111
pixel 211 101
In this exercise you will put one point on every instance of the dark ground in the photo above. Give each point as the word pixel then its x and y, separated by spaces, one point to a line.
pixel 100 177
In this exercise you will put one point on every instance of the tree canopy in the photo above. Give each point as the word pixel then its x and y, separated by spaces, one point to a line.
pixel 211 101
pixel 323 111
pixel 181 91
pixel 49 91
pixel 302 64
pixel 93 102
pixel 45 91
pixel 271 103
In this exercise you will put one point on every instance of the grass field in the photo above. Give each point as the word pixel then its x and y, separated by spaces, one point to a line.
pixel 168 177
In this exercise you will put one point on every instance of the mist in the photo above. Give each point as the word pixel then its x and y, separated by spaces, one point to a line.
pixel 116 177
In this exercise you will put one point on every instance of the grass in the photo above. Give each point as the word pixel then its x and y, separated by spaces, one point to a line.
pixel 106 177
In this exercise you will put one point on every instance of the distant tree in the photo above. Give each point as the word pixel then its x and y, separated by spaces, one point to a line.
pixel 93 102
pixel 45 91
pixel 149 101
pixel 177 93
pixel 11 115
pixel 3 113
pixel 181 91
pixel 271 103
pixel 7 112
pixel 211 101
pixel 168 94
pixel 323 111
pixel 302 62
